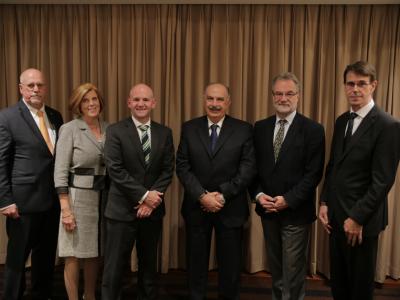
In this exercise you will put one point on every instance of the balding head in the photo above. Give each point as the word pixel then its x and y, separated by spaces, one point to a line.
pixel 141 102
pixel 216 101
pixel 32 86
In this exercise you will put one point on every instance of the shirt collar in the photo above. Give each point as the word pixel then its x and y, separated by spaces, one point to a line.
pixel 137 123
pixel 32 109
pixel 220 122
pixel 289 118
pixel 363 111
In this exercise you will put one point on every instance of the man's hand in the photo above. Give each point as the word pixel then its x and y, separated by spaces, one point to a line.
pixel 267 202
pixel 323 217
pixel 212 202
pixel 144 211
pixel 280 203
pixel 11 211
pixel 353 232
pixel 153 199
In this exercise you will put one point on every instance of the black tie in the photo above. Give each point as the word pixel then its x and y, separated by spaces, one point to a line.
pixel 213 136
pixel 349 130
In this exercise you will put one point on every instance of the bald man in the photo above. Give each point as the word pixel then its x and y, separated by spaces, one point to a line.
pixel 28 133
pixel 139 155
pixel 215 164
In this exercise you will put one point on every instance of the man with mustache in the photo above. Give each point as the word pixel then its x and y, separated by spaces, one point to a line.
pixel 362 167
pixel 215 164
pixel 290 152
pixel 28 132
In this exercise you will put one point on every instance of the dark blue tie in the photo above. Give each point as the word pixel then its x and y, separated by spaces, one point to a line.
pixel 213 136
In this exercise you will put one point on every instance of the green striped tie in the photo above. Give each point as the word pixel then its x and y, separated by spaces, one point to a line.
pixel 145 142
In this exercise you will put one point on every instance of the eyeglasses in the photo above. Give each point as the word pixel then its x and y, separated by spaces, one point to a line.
pixel 352 84
pixel 281 95
pixel 31 86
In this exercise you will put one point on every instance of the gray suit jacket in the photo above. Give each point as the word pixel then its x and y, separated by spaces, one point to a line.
pixel 26 164
pixel 78 152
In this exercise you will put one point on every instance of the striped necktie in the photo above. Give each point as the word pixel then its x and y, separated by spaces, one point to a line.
pixel 145 142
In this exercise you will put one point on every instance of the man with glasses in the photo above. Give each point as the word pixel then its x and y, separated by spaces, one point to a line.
pixel 28 132
pixel 362 167
pixel 290 153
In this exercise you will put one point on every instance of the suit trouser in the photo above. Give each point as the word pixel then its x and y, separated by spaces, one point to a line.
pixel 352 268
pixel 287 247
pixel 229 257
pixel 121 237
pixel 36 232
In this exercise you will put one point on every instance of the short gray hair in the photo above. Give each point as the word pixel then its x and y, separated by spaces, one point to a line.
pixel 287 76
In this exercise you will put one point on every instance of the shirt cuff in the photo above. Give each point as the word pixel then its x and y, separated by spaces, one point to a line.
pixel 258 196
pixel 143 198
pixel 4 208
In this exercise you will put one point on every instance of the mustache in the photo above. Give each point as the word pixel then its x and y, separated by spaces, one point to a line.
pixel 214 107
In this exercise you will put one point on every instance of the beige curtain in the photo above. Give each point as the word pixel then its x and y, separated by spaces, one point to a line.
pixel 178 49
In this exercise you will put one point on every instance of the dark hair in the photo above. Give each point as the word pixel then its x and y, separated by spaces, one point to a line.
pixel 362 68
pixel 287 76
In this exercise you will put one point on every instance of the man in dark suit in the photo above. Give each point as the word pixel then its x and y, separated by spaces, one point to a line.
pixel 28 132
pixel 362 167
pixel 290 153
pixel 215 163
pixel 139 155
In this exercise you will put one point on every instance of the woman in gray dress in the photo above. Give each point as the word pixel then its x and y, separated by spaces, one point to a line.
pixel 80 179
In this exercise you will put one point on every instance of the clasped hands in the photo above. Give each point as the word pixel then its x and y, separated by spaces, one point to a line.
pixel 272 204
pixel 212 202
pixel 151 202
pixel 352 229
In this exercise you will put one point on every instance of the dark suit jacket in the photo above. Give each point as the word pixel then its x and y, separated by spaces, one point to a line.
pixel 130 178
pixel 297 171
pixel 228 170
pixel 26 164
pixel 358 180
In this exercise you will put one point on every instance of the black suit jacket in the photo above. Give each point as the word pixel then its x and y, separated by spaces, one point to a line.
pixel 130 178
pixel 26 164
pixel 358 180
pixel 228 170
pixel 297 171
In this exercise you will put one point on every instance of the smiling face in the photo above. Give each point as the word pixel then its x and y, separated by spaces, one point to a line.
pixel 90 105
pixel 359 90
pixel 141 102
pixel 285 97
pixel 216 102
pixel 33 87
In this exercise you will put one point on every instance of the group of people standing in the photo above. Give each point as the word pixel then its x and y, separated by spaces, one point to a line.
pixel 108 182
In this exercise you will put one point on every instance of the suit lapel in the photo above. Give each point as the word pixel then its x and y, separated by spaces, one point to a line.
pixel 203 133
pixel 268 145
pixel 86 131
pixel 155 142
pixel 27 116
pixel 365 124
pixel 133 135
pixel 224 134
